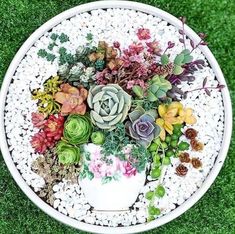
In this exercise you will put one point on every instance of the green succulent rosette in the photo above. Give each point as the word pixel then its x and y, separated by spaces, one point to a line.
pixel 98 138
pixel 77 129
pixel 158 88
pixel 109 105
pixel 67 154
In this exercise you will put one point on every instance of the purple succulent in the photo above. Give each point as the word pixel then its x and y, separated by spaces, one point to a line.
pixel 142 126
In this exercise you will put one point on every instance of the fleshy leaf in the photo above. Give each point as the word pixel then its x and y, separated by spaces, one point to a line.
pixel 138 91
pixel 177 70
pixel 152 97
pixel 164 59
pixel 179 59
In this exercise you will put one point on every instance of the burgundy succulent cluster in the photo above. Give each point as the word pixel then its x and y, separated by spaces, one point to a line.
pixel 138 63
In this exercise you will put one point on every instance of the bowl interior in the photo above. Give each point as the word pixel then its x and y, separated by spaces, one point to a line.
pixel 140 227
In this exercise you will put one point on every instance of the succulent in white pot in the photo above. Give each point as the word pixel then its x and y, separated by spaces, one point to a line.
pixel 108 182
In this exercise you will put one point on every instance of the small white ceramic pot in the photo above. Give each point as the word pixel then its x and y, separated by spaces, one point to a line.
pixel 114 195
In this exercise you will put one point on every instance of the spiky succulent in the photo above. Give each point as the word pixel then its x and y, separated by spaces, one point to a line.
pixel 109 105
pixel 142 127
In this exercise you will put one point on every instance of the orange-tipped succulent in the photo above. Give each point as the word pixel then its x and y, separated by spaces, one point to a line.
pixel 72 99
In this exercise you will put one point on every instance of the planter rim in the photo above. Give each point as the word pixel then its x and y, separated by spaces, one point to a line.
pixel 89 227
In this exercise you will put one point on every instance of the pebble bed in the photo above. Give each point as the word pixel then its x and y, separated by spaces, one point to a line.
pixel 110 25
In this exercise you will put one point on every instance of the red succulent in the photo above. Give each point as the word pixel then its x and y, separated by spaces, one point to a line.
pixel 54 127
pixel 136 48
pixel 116 44
pixel 40 142
pixel 51 131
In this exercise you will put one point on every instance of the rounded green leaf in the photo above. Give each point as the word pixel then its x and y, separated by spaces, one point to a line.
pixel 139 92
pixel 179 59
pixel 177 70
pixel 160 191
pixel 164 59
pixel 149 195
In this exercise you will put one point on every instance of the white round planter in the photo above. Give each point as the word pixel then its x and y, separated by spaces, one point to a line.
pixel 93 228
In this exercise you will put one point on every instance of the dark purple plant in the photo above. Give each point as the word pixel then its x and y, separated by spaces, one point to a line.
pixel 169 46
pixel 187 74
pixel 206 88
pixel 182 32
pixel 182 39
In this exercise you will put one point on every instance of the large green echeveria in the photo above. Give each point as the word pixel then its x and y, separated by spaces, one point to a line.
pixel 77 129
pixel 109 105
pixel 67 154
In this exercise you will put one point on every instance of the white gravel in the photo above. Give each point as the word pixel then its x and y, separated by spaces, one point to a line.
pixel 111 25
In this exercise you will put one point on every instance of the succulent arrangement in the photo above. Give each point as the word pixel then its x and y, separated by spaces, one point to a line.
pixel 123 102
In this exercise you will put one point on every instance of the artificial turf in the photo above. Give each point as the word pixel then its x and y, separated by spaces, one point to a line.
pixel 215 212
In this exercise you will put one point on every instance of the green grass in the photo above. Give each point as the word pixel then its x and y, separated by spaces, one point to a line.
pixel 215 212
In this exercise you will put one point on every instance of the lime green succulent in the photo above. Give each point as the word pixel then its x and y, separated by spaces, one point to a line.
pixel 46 103
pixel 109 105
pixel 52 85
pixel 98 138
pixel 67 154
pixel 77 129
pixel 158 88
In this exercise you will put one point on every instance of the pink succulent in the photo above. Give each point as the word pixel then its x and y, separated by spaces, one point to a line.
pixel 130 84
pixel 72 99
pixel 38 120
pixel 153 47
pixel 136 58
pixel 101 77
pixel 143 34
pixel 142 71
pixel 136 48
pixel 139 82
pixel 126 61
